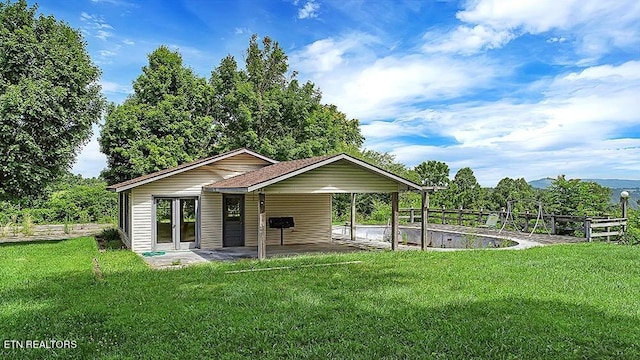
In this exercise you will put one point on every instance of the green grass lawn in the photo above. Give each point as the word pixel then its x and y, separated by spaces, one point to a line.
pixel 573 301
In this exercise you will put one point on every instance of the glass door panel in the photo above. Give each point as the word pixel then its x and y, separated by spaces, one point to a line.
pixel 164 221
pixel 177 225
pixel 188 218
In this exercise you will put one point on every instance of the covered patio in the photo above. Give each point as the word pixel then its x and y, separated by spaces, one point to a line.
pixel 299 188
pixel 196 256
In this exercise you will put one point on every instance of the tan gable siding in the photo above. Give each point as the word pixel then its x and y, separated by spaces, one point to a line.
pixel 251 219
pixel 311 213
pixel 339 177
pixel 188 183
pixel 211 220
pixel 236 165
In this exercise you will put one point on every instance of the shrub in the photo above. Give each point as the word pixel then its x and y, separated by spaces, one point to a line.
pixel 111 234
pixel 632 236
pixel 27 224
pixel 381 212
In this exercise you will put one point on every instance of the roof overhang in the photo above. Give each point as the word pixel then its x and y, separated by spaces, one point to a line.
pixel 260 185
pixel 163 174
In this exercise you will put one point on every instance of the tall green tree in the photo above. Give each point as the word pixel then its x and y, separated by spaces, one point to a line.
pixel 49 99
pixel 174 116
pixel 464 190
pixel 509 189
pixel 263 108
pixel 166 121
pixel 576 197
pixel 433 173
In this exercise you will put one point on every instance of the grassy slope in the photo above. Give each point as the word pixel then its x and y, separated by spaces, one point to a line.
pixel 574 301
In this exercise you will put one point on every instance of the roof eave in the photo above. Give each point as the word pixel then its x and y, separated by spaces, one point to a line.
pixel 194 166
pixel 411 186
pixel 234 190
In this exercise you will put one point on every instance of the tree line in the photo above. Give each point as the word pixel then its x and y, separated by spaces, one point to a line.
pixel 564 196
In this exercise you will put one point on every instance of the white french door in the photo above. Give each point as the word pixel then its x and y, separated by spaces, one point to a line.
pixel 177 223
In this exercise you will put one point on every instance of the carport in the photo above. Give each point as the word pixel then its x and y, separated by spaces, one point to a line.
pixel 302 189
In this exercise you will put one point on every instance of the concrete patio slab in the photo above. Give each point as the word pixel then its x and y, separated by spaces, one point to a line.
pixel 188 257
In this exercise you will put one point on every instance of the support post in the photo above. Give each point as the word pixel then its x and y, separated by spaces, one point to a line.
pixel 394 220
pixel 624 204
pixel 587 229
pixel 554 230
pixel 352 228
pixel 425 220
pixel 443 215
pixel 262 228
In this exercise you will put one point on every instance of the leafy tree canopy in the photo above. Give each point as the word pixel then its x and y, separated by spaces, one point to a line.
pixel 166 121
pixel 576 197
pixel 433 173
pixel 509 189
pixel 175 116
pixel 49 99
pixel 464 190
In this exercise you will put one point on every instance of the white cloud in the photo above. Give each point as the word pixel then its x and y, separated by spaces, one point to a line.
pixel 309 10
pixel 581 117
pixel 112 87
pixel 327 54
pixel 128 42
pixel 90 160
pixel 95 25
pixel 114 2
pixel 556 39
pixel 242 30
pixel 103 35
pixel 106 53
pixel 597 25
pixel 370 88
pixel 467 40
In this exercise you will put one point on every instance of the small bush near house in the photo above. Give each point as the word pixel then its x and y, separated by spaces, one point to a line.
pixel 110 239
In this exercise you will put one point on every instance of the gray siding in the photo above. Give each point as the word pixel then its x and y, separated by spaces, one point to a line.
pixel 339 177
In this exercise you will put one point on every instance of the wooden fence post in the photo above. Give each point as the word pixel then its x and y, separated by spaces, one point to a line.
pixel 443 216
pixel 394 220
pixel 411 215
pixel 480 216
pixel 352 225
pixel 262 228
pixel 425 219
pixel 460 216
pixel 554 231
pixel 587 229
pixel 526 221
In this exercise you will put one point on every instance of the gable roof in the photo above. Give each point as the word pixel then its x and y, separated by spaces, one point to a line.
pixel 272 174
pixel 141 180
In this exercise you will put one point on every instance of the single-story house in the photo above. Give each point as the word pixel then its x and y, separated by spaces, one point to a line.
pixel 228 199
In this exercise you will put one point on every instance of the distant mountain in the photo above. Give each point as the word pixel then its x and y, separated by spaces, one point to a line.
pixel 610 183
pixel 541 183
pixel 616 186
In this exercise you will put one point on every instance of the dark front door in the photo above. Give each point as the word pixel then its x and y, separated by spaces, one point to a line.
pixel 232 220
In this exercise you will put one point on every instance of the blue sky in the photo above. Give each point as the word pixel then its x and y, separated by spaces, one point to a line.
pixel 509 88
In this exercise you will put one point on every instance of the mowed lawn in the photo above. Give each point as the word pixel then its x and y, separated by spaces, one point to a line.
pixel 573 301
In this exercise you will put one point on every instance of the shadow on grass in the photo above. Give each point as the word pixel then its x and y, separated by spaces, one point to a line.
pixel 347 312
pixel 33 242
